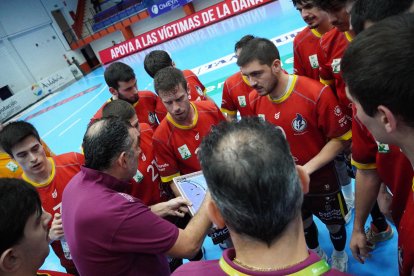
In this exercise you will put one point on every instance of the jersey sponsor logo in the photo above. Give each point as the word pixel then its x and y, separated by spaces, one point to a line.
pixel 299 123
pixel 12 166
pixel 197 137
pixel 138 176
pixel 199 90
pixel 383 148
pixel 261 116
pixel 242 101
pixel 184 151
pixel 336 65
pixel 277 115
pixel 151 117
pixel 55 194
pixel 337 111
pixel 313 59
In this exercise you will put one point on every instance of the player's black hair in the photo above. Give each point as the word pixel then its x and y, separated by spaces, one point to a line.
pixel 155 61
pixel 116 72
pixel 260 49
pixel 104 140
pixel 167 79
pixel 301 2
pixel 118 108
pixel 375 10
pixel 18 202
pixel 242 42
pixel 330 5
pixel 378 67
pixel 14 133
pixel 252 178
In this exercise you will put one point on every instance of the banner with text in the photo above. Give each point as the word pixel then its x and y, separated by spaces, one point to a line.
pixel 158 7
pixel 180 27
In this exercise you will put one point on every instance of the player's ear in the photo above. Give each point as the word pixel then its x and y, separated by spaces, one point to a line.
pixel 276 66
pixel 10 261
pixel 214 214
pixel 304 178
pixel 113 91
pixel 387 118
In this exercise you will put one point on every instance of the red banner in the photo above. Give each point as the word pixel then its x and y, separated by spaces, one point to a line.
pixel 180 27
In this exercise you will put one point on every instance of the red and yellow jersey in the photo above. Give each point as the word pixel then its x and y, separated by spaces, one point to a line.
pixel 305 53
pixel 196 92
pixel 64 167
pixel 10 169
pixel 393 167
pixel 405 240
pixel 310 115
pixel 147 179
pixel 51 273
pixel 176 146
pixel 144 108
pixel 332 47
pixel 236 92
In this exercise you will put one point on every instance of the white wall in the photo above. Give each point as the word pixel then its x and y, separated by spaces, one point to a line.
pixel 201 4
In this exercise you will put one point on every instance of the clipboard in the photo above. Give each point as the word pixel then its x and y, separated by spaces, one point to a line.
pixel 192 187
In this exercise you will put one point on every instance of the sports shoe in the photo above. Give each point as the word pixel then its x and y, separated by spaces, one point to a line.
pixel 340 262
pixel 321 253
pixel 374 236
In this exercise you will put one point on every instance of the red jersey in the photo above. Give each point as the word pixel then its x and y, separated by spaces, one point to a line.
pixel 309 114
pixel 176 146
pixel 144 108
pixel 405 240
pixel 393 167
pixel 10 169
pixel 305 49
pixel 196 92
pixel 51 273
pixel 332 47
pixel 236 96
pixel 147 179
pixel 64 167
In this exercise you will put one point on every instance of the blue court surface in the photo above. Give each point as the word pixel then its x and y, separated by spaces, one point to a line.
pixel 62 118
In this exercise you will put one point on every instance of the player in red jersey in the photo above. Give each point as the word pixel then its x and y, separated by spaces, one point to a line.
pixel 146 184
pixel 236 89
pixel 384 107
pixel 306 43
pixel 159 59
pixel 122 84
pixel 24 245
pixel 49 175
pixel 316 129
pixel 332 47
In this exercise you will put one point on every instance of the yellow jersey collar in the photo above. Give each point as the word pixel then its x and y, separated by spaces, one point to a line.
pixel 193 123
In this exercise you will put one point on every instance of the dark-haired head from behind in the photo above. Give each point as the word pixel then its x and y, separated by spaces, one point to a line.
pixel 252 178
pixel 155 61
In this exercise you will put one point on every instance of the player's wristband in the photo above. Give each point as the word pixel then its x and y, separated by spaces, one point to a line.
pixel 219 235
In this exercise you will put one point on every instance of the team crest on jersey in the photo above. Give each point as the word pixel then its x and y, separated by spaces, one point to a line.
pixel 299 123
pixel 184 151
pixel 151 117
pixel 383 148
pixel 199 90
pixel 336 65
pixel 12 166
pixel 242 101
pixel 313 59
pixel 261 116
pixel 138 176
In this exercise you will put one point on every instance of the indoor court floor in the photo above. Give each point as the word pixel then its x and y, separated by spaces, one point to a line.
pixel 62 118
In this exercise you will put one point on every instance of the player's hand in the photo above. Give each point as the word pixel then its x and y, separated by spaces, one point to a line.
pixel 359 247
pixel 177 206
pixel 56 229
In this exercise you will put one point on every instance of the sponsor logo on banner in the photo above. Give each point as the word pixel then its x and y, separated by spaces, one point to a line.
pixel 164 6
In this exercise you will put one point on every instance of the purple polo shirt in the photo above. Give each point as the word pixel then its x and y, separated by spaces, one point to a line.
pixel 110 232
pixel 225 266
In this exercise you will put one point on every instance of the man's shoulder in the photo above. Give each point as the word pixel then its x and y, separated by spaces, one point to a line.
pixel 147 94
pixel 200 268
pixel 205 106
pixel 69 158
pixel 302 34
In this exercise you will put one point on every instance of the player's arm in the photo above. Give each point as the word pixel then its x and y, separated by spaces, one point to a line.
pixel 228 107
pixel 190 239
pixel 325 74
pixel 328 153
pixel 367 185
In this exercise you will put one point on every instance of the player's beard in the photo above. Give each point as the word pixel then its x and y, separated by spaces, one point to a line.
pixel 131 101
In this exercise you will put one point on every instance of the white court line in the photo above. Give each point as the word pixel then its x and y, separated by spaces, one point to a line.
pixel 69 127
pixel 76 112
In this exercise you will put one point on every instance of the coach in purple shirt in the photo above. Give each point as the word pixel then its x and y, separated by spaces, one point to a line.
pixel 257 192
pixel 110 232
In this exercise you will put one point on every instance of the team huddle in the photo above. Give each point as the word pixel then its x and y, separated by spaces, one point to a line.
pixel 281 149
